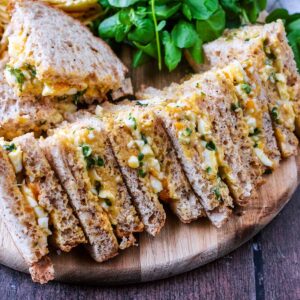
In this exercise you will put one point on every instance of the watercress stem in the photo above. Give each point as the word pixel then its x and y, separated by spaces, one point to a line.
pixel 156 34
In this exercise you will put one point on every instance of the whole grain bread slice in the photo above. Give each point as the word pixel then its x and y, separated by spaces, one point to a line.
pixel 67 232
pixel 72 62
pixel 122 214
pixel 20 222
pixel 71 170
pixel 177 192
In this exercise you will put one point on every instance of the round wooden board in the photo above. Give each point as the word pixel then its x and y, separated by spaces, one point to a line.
pixel 179 247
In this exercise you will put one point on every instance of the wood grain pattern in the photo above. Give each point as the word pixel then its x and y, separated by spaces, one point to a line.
pixel 179 247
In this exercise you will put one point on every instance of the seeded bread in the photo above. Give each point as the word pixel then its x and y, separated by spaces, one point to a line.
pixel 72 62
pixel 21 116
pixel 71 170
pixel 145 199
pixel 251 42
pixel 177 192
pixel 122 213
pixel 20 221
pixel 67 232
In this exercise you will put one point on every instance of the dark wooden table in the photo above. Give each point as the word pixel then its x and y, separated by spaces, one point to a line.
pixel 267 267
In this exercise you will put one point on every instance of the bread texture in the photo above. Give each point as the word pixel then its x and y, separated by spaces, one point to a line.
pixel 67 232
pixel 273 59
pixel 20 222
pixel 58 62
pixel 138 181
pixel 19 116
pixel 177 191
pixel 121 212
pixel 71 170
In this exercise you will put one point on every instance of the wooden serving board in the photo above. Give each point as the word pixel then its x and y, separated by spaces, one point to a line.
pixel 179 247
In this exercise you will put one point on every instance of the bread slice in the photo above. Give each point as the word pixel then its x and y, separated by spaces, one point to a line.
pixel 177 191
pixel 19 116
pixel 46 60
pixel 144 180
pixel 66 232
pixel 67 160
pixel 21 221
pixel 106 179
pixel 273 59
pixel 237 163
pixel 190 128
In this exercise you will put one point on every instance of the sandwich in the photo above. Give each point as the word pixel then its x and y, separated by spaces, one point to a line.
pixel 105 176
pixel 45 60
pixel 27 114
pixel 148 151
pixel 81 156
pixel 25 219
pixel 138 162
pixel 273 60
pixel 214 97
pixel 197 152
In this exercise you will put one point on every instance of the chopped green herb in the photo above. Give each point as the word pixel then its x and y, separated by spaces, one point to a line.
pixel 78 96
pixel 141 104
pixel 268 171
pixel 246 88
pixel 108 202
pixel 133 119
pixel 86 150
pixel 31 69
pixel 98 186
pixel 142 173
pixel 218 194
pixel 208 170
pixel 90 128
pixel 275 114
pixel 90 162
pixel 140 156
pixel 18 74
pixel 188 132
pixel 256 131
pixel 211 146
pixel 235 106
pixel 10 147
pixel 99 161
pixel 143 137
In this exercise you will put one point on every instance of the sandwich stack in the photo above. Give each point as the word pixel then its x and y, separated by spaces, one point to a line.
pixel 100 175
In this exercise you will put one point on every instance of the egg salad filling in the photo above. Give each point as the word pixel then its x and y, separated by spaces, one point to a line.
pixel 143 152
pixel 246 103
pixel 193 129
pixel 29 190
pixel 103 184
pixel 282 111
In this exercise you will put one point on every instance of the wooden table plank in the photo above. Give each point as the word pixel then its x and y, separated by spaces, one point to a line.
pixel 280 245
pixel 231 277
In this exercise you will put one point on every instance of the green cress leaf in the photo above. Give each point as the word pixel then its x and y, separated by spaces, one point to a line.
pixel 139 58
pixel 172 53
pixel 103 3
pixel 293 26
pixel 124 16
pixel 108 27
pixel 161 25
pixel 149 49
pixel 187 12
pixel 122 3
pixel 164 12
pixel 293 17
pixel 211 28
pixel 143 33
pixel 202 9
pixel 184 35
pixel 294 40
pixel 279 13
pixel 232 6
pixel 197 52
